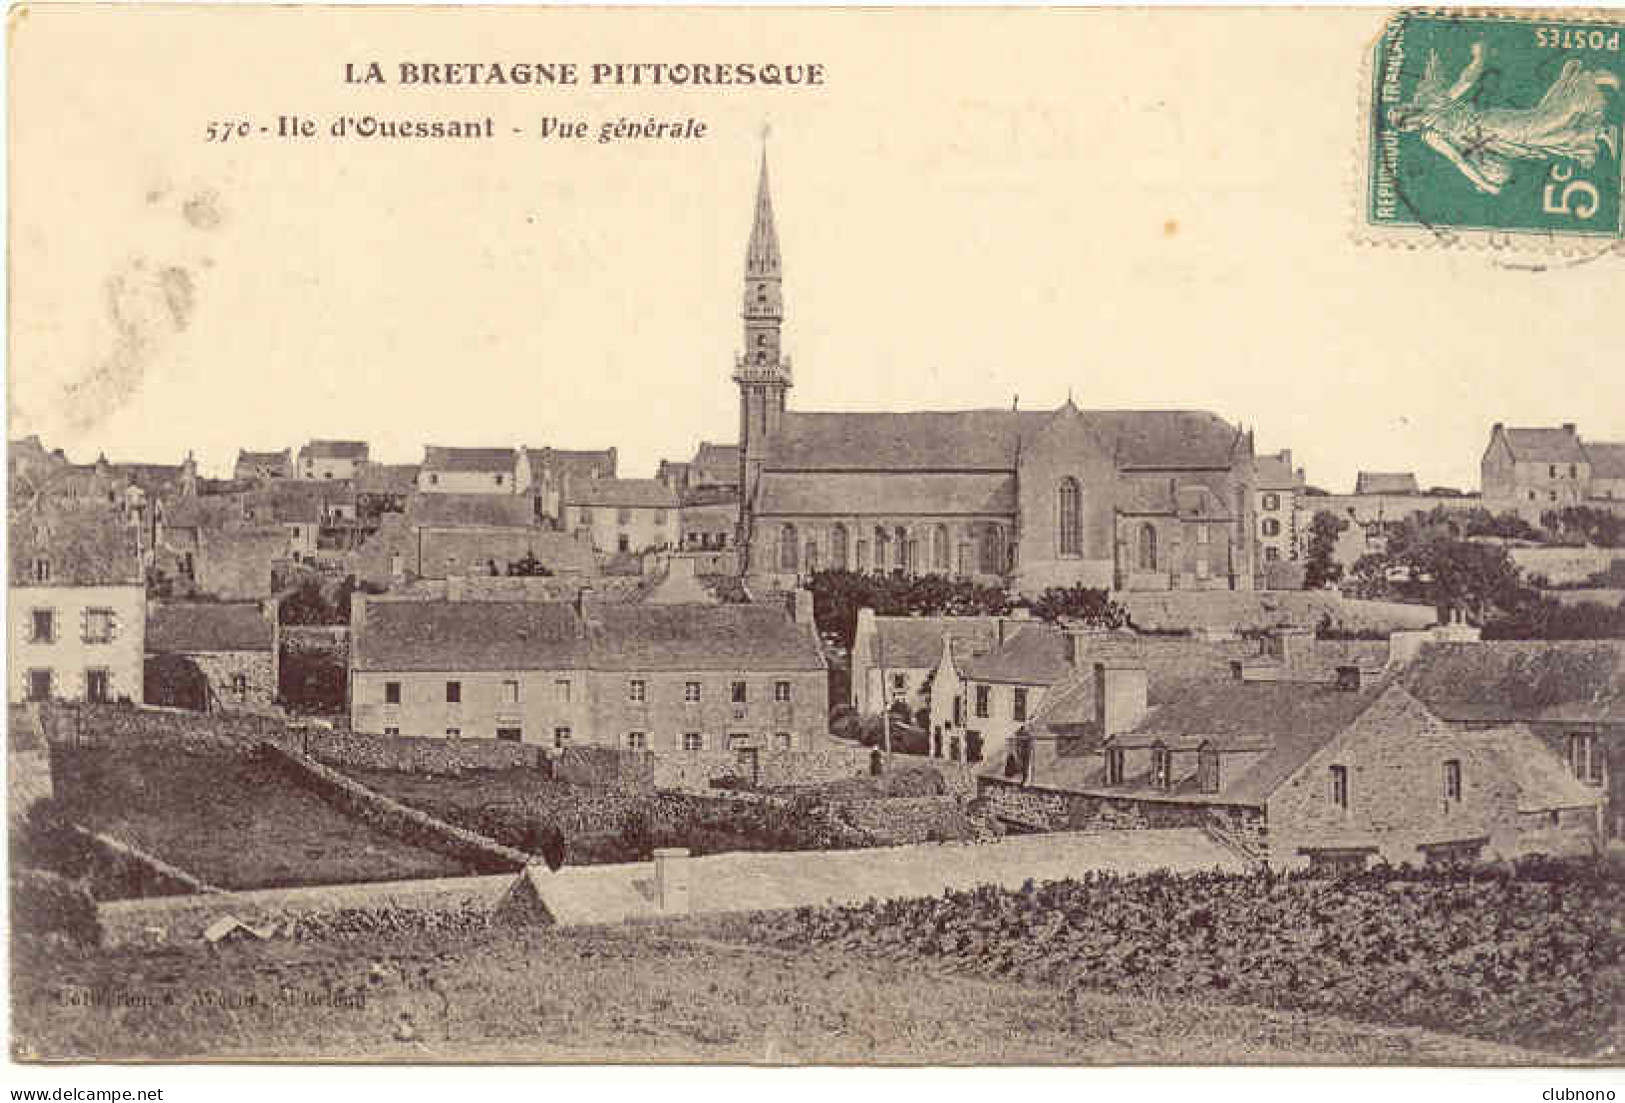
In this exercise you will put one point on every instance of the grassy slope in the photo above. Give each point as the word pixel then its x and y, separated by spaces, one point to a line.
pixel 238 824
pixel 642 994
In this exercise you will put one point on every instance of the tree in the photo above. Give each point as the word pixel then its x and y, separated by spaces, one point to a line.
pixel 1079 604
pixel 838 595
pixel 1320 567
pixel 529 566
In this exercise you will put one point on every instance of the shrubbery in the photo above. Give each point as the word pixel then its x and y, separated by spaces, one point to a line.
pixel 49 906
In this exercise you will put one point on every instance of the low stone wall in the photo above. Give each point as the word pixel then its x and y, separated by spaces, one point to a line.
pixel 410 754
pixel 86 724
pixel 391 816
pixel 958 777
pixel 1565 565
pixel 694 771
pixel 1242 828
pixel 28 779
pixel 606 768
pixel 155 876
pixel 896 820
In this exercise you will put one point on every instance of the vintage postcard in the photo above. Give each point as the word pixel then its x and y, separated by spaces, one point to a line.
pixel 815 537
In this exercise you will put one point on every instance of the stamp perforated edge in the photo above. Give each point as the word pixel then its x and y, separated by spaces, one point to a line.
pixel 1538 243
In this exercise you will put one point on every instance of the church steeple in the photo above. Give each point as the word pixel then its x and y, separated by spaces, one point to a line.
pixel 761 370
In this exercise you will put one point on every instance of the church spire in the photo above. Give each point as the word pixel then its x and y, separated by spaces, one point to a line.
pixel 762 254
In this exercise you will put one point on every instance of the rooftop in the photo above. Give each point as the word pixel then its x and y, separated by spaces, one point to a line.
pixel 1546 445
pixel 334 450
pixel 78 547
pixel 623 493
pixel 208 626
pixel 440 458
pixel 1386 482
pixel 1521 680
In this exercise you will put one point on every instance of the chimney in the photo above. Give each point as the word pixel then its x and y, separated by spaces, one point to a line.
pixel 671 879
pixel 1569 427
pixel 801 606
pixel 1348 678
pixel 1120 695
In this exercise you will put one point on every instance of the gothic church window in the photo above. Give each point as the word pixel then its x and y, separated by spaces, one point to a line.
pixel 787 548
pixel 837 548
pixel 939 548
pixel 1071 533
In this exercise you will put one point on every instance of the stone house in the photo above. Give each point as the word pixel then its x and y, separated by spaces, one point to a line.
pixel 331 459
pixel 232 646
pixel 468 470
pixel 1531 470
pixel 255 467
pixel 1386 482
pixel 541 473
pixel 77 606
pixel 621 515
pixel 709 518
pixel 665 678
pixel 1278 486
pixel 455 534
pixel 893 658
pixel 1303 773
pixel 995 693
pixel 1607 487
pixel 1570 693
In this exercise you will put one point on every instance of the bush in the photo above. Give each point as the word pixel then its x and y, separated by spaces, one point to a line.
pixel 49 906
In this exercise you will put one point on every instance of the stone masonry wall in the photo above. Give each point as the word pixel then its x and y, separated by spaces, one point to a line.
pixel 258 669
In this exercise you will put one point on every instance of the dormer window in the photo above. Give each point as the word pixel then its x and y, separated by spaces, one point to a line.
pixel 42 570
pixel 1114 766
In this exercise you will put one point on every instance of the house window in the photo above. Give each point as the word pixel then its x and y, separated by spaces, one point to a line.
pixel 97 686
pixel 454 693
pixel 585 515
pixel 1202 534
pixel 1114 766
pixel 983 695
pixel 1161 767
pixel 1552 471
pixel 782 741
pixel 239 685
pixel 1272 554
pixel 660 517
pixel 454 733
pixel 623 543
pixel 392 693
pixel 510 692
pixel 899 682
pixel 561 738
pixel 1574 471
pixel 39 685
pixel 1071 530
pixel 499 480
pixel 1272 502
pixel 1340 787
pixel 44 625
pixel 787 547
pixel 510 735
pixel 636 741
pixel 693 741
pixel 1452 781
pixel 1018 710
pixel 1585 759
pixel 740 741
pixel 561 690
pixel 98 626
pixel 1148 547
pixel 691 692
pixel 42 570
pixel 739 693
pixel 434 480
pixel 392 731
pixel 637 690
pixel 781 691
pixel 1270 527
pixel 623 516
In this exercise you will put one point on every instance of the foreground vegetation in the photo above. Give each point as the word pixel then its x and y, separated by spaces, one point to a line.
pixel 1534 957
pixel 412 992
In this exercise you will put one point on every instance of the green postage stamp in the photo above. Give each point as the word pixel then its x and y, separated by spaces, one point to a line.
pixel 1506 126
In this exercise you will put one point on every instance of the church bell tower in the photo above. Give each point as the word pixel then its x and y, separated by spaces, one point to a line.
pixel 762 371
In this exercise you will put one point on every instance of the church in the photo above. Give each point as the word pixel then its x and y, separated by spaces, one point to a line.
pixel 1119 499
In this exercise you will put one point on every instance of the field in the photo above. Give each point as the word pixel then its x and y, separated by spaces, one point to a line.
pixel 1535 958
pixel 671 993
pixel 230 820
pixel 601 826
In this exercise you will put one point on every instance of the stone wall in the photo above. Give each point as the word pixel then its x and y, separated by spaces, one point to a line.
pixel 258 669
pixel 417 755
pixel 1054 810
pixel 391 816
pixel 696 770
pixel 959 777
pixel 28 779
pixel 1565 565
pixel 897 820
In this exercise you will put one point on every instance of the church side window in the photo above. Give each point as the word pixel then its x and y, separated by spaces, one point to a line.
pixel 882 548
pixel 992 550
pixel 837 548
pixel 787 548
pixel 939 548
pixel 1071 533
pixel 1148 547
pixel 904 558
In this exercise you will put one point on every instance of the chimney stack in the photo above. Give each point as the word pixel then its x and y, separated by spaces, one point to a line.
pixel 1120 696
pixel 1568 427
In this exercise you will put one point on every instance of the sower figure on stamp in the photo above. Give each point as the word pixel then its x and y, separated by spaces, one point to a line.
pixel 1482 142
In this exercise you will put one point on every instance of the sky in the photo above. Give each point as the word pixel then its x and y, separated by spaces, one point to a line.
pixel 979 208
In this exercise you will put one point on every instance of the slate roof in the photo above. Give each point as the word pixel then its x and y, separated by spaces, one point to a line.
pixel 915 643
pixel 282 461
pixel 334 450
pixel 1276 473
pixel 208 626
pixel 579 463
pixel 627 493
pixel 472 511
pixel 493 635
pixel 204 511
pixel 386 478
pixel 1035 655
pixel 1607 460
pixel 1385 482
pixel 1521 680
pixel 950 493
pixel 83 547
pixel 701 637
pixel 989 440
pixel 294 502
pixel 469 635
pixel 440 458
pixel 718 463
pixel 1544 445
pixel 1544 781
